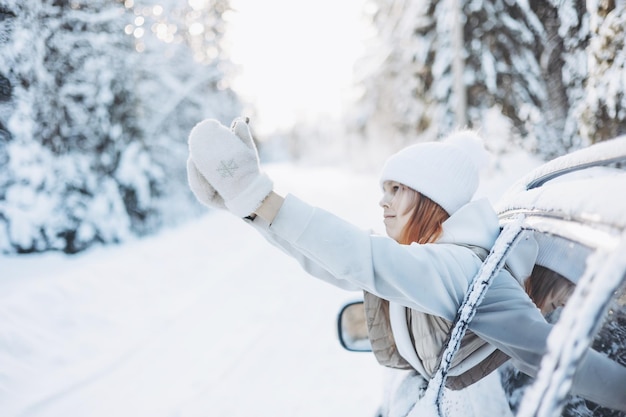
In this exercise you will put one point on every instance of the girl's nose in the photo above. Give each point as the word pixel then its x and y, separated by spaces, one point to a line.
pixel 383 202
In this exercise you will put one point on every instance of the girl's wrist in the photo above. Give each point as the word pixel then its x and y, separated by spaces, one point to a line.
pixel 270 207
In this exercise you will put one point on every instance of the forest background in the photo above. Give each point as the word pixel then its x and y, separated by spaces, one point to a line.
pixel 97 98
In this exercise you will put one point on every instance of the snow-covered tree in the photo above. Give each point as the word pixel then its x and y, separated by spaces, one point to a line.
pixel 7 18
pixel 524 59
pixel 180 77
pixel 515 62
pixel 92 131
pixel 573 33
pixel 396 77
pixel 72 129
pixel 604 103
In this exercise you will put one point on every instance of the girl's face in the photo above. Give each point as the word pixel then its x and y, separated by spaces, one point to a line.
pixel 557 298
pixel 397 206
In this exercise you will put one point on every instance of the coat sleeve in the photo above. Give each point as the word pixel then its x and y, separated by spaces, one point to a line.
pixel 307 264
pixel 510 321
pixel 426 278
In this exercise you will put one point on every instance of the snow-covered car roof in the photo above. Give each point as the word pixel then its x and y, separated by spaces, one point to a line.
pixel 582 185
pixel 575 204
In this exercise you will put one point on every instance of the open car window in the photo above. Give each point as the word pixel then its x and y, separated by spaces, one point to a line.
pixel 576 207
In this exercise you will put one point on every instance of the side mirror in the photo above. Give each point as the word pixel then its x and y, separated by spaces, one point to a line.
pixel 352 327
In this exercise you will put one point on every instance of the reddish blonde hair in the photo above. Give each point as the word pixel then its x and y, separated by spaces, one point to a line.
pixel 544 282
pixel 424 226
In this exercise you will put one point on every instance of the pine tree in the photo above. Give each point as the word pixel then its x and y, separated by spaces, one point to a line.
pixel 573 32
pixel 525 60
pixel 396 77
pixel 603 115
pixel 73 131
pixel 96 102
pixel 180 77
pixel 7 21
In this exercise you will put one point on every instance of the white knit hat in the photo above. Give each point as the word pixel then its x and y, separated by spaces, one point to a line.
pixel 447 172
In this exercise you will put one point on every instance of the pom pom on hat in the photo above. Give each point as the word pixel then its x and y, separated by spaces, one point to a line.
pixel 447 172
pixel 471 144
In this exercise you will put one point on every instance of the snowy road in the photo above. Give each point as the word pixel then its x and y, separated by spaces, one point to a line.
pixel 203 320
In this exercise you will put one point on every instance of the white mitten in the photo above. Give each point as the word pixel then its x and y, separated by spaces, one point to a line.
pixel 229 162
pixel 204 192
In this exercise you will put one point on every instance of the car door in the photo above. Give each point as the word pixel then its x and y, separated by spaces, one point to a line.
pixel 576 207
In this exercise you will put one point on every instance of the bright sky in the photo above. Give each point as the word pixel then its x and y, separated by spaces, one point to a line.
pixel 296 57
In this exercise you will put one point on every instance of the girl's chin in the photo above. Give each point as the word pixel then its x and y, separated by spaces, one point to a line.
pixel 391 233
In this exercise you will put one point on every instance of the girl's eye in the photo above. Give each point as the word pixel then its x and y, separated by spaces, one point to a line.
pixel 392 189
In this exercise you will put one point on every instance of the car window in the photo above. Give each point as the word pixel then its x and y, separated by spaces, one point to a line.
pixel 576 207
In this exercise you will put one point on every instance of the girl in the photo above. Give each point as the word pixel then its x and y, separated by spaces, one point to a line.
pixel 548 289
pixel 416 278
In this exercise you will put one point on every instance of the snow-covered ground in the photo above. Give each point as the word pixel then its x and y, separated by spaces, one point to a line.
pixel 202 320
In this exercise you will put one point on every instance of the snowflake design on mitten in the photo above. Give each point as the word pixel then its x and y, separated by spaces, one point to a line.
pixel 227 168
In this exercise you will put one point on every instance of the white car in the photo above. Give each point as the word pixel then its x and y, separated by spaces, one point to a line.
pixel 576 207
